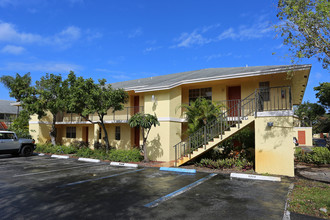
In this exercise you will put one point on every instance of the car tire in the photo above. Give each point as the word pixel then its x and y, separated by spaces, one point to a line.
pixel 27 150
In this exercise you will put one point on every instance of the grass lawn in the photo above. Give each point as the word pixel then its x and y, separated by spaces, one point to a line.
pixel 308 197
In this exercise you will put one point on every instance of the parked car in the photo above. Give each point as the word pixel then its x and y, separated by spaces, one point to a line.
pixel 10 144
pixel 319 142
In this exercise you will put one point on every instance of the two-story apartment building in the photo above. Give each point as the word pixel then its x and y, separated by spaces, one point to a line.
pixel 261 97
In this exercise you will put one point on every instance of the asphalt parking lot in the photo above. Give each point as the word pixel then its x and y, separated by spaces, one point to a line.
pixel 41 187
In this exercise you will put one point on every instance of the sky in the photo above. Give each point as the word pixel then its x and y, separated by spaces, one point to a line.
pixel 131 39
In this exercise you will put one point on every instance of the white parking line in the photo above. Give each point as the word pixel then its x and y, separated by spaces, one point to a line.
pixel 179 191
pixel 100 178
pixel 50 171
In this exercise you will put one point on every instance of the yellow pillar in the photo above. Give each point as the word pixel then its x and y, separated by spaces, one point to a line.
pixel 274 147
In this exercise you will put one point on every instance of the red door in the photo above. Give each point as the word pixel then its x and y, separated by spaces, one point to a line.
pixel 301 137
pixel 136 104
pixel 234 98
pixel 136 130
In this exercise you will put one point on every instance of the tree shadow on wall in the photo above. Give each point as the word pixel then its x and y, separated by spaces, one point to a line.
pixel 154 148
pixel 280 129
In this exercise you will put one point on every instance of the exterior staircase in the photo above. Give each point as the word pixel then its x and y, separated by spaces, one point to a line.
pixel 213 143
pixel 238 115
pixel 3 126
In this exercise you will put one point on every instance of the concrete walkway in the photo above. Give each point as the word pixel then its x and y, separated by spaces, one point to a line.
pixel 318 173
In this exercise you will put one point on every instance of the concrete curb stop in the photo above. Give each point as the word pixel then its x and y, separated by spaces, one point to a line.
pixel 255 177
pixel 60 156
pixel 89 160
pixel 181 170
pixel 41 154
pixel 124 164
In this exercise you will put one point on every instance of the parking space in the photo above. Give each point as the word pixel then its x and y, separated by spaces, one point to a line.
pixel 41 186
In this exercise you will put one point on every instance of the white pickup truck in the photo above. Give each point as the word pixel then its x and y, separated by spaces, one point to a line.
pixel 10 144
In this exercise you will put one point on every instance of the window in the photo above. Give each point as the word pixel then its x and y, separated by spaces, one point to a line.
pixel 71 132
pixel 196 93
pixel 117 133
pixel 2 116
pixel 7 136
pixel 264 90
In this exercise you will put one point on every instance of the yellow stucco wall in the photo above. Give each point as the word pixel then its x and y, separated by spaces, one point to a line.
pixel 125 136
pixel 39 129
pixel 40 132
pixel 274 147
pixel 162 138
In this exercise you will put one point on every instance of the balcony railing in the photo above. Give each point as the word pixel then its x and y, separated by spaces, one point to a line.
pixel 266 99
pixel 118 116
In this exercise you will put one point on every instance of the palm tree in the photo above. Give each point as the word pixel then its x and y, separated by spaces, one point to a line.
pixel 144 121
pixel 200 112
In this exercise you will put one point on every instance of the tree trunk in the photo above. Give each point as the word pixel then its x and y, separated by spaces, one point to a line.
pixel 107 145
pixel 52 132
pixel 146 159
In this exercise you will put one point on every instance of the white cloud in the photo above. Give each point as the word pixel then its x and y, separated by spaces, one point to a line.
pixel 216 56
pixel 150 49
pixel 257 30
pixel 195 37
pixel 208 34
pixel 92 35
pixel 66 37
pixel 47 67
pixel 8 33
pixel 16 50
pixel 62 40
pixel 135 33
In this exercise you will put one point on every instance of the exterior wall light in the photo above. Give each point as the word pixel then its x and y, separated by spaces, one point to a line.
pixel 153 98
pixel 270 124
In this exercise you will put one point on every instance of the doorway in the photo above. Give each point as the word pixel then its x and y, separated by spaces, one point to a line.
pixel 85 134
pixel 136 130
pixel 234 98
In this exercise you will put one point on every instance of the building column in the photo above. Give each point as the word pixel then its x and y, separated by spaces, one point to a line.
pixel 96 134
pixel 274 147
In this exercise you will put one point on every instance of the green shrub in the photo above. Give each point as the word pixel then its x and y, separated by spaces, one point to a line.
pixel 225 163
pixel 132 155
pixel 89 153
pixel 113 155
pixel 319 155
pixel 57 149
pixel 298 154
pixel 79 144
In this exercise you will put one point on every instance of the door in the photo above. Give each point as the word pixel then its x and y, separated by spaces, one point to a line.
pixel 136 130
pixel 234 98
pixel 136 104
pixel 85 134
pixel 301 137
